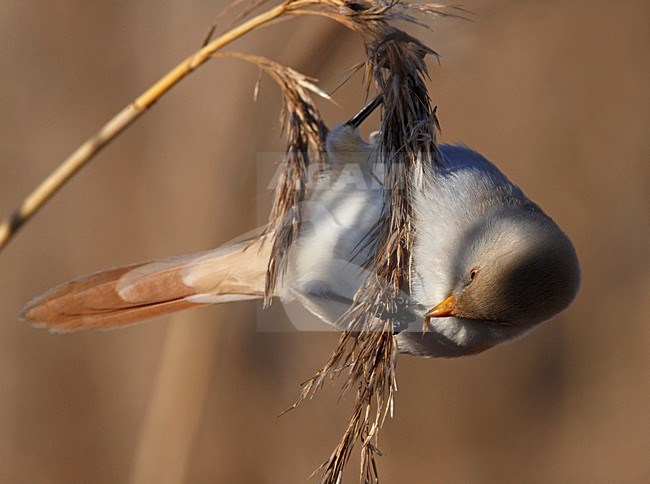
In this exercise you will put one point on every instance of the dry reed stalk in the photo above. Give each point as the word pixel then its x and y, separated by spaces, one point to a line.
pixel 396 70
pixel 87 151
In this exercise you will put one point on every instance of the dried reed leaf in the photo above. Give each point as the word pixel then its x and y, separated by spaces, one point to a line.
pixel 305 133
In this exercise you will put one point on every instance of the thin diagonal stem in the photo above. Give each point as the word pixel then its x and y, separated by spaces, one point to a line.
pixel 82 155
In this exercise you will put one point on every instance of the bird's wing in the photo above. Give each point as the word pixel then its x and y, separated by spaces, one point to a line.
pixel 130 294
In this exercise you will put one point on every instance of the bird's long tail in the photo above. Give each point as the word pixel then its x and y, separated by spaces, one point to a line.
pixel 130 294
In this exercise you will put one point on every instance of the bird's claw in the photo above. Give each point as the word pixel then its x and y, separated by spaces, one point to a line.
pixel 425 325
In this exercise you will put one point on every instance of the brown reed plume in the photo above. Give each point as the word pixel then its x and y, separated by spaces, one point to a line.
pixel 396 69
pixel 395 63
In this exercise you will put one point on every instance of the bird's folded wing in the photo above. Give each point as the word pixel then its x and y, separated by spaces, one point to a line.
pixel 130 294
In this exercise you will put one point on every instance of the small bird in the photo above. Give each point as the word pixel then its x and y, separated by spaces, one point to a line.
pixel 487 265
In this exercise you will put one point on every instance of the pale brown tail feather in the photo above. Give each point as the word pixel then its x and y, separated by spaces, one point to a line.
pixel 130 294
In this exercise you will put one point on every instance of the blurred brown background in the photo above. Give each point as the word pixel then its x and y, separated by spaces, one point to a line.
pixel 555 92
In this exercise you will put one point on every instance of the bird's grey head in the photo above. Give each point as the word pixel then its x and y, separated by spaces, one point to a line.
pixel 514 267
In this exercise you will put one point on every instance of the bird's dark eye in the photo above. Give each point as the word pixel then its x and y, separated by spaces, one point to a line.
pixel 472 274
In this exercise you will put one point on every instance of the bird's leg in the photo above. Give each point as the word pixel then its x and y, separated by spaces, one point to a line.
pixel 367 110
